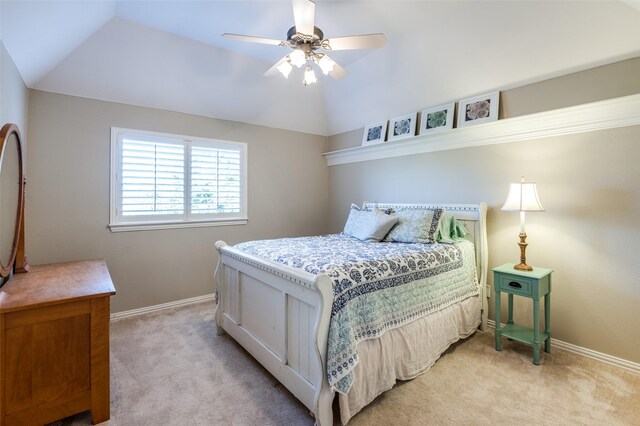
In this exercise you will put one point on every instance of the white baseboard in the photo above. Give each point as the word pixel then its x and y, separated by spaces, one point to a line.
pixel 579 350
pixel 569 347
pixel 154 308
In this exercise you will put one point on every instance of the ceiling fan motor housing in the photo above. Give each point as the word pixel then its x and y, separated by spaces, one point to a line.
pixel 303 41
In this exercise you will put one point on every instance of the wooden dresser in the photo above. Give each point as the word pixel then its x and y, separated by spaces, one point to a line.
pixel 54 343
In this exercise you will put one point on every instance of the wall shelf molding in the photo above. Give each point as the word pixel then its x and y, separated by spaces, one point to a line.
pixel 608 114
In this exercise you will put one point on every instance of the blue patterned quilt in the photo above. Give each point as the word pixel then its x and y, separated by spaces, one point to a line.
pixel 376 286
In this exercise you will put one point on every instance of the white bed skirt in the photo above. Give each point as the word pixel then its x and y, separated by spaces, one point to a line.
pixel 406 352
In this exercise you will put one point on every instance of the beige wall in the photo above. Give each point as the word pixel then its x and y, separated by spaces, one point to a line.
pixel 68 196
pixel 588 183
pixel 13 94
pixel 13 109
pixel 595 84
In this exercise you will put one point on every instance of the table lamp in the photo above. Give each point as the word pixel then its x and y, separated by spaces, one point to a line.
pixel 523 197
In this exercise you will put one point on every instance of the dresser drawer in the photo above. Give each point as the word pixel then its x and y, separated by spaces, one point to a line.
pixel 515 284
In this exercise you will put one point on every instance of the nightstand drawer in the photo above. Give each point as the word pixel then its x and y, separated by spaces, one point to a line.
pixel 515 284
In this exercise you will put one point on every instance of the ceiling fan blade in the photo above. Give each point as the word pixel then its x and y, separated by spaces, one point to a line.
pixel 252 39
pixel 368 41
pixel 338 72
pixel 304 15
pixel 273 71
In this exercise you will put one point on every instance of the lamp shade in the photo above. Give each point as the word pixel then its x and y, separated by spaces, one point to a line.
pixel 523 197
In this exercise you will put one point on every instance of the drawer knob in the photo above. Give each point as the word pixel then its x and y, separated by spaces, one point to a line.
pixel 515 284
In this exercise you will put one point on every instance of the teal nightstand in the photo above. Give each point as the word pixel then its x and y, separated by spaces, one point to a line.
pixel 532 284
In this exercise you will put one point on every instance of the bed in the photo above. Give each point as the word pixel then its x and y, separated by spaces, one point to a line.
pixel 280 306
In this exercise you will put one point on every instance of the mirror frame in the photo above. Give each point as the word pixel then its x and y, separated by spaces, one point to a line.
pixel 17 257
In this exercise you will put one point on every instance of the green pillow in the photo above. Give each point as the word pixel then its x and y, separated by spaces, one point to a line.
pixel 450 230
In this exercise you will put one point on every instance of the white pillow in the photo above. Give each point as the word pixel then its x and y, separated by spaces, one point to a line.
pixel 368 225
pixel 416 226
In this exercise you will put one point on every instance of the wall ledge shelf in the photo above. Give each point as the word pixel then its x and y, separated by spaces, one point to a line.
pixel 608 114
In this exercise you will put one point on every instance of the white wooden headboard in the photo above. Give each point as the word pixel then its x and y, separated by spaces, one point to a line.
pixel 474 218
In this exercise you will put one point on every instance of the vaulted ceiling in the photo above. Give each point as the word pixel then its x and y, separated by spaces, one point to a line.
pixel 169 54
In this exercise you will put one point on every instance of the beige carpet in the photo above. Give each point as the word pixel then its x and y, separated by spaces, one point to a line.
pixel 169 368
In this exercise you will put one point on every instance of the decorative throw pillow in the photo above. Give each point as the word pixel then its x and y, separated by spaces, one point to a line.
pixel 368 225
pixel 416 226
pixel 450 229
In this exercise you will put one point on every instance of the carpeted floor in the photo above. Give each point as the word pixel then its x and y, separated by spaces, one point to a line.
pixel 170 368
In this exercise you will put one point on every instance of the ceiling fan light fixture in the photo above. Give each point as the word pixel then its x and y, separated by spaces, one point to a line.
pixel 285 68
pixel 326 64
pixel 309 76
pixel 298 58
pixel 305 40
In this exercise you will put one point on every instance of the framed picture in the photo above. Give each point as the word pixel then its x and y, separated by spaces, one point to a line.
pixel 479 109
pixel 436 119
pixel 374 133
pixel 402 127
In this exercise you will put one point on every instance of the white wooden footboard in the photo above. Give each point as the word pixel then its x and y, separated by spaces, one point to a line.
pixel 281 317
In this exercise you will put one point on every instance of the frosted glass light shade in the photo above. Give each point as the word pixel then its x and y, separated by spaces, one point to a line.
pixel 309 76
pixel 523 197
pixel 326 64
pixel 298 58
pixel 285 68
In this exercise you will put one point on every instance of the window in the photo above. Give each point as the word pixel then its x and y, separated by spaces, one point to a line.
pixel 169 181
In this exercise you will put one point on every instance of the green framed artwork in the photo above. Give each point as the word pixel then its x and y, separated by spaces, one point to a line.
pixel 436 119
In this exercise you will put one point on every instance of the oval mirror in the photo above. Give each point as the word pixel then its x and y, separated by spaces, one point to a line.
pixel 11 196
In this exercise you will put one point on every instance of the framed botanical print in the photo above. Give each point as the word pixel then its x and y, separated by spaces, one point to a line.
pixel 402 127
pixel 374 133
pixel 479 109
pixel 436 119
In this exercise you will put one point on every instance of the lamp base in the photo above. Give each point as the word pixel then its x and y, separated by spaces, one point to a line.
pixel 523 258
pixel 523 267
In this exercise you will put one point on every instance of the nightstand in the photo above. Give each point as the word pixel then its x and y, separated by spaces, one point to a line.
pixel 532 284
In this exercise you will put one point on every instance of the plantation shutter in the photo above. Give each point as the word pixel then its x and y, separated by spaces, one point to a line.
pixel 160 180
pixel 215 180
pixel 153 178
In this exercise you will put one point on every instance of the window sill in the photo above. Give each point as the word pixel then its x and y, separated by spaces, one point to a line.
pixel 152 226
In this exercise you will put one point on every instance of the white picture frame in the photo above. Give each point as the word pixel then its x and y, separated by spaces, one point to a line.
pixel 402 127
pixel 374 133
pixel 479 109
pixel 437 119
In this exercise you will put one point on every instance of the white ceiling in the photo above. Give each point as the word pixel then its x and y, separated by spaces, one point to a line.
pixel 169 54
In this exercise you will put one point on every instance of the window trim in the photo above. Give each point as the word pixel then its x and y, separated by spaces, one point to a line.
pixel 116 225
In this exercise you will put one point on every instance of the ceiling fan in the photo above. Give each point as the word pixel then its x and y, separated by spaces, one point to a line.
pixel 306 40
